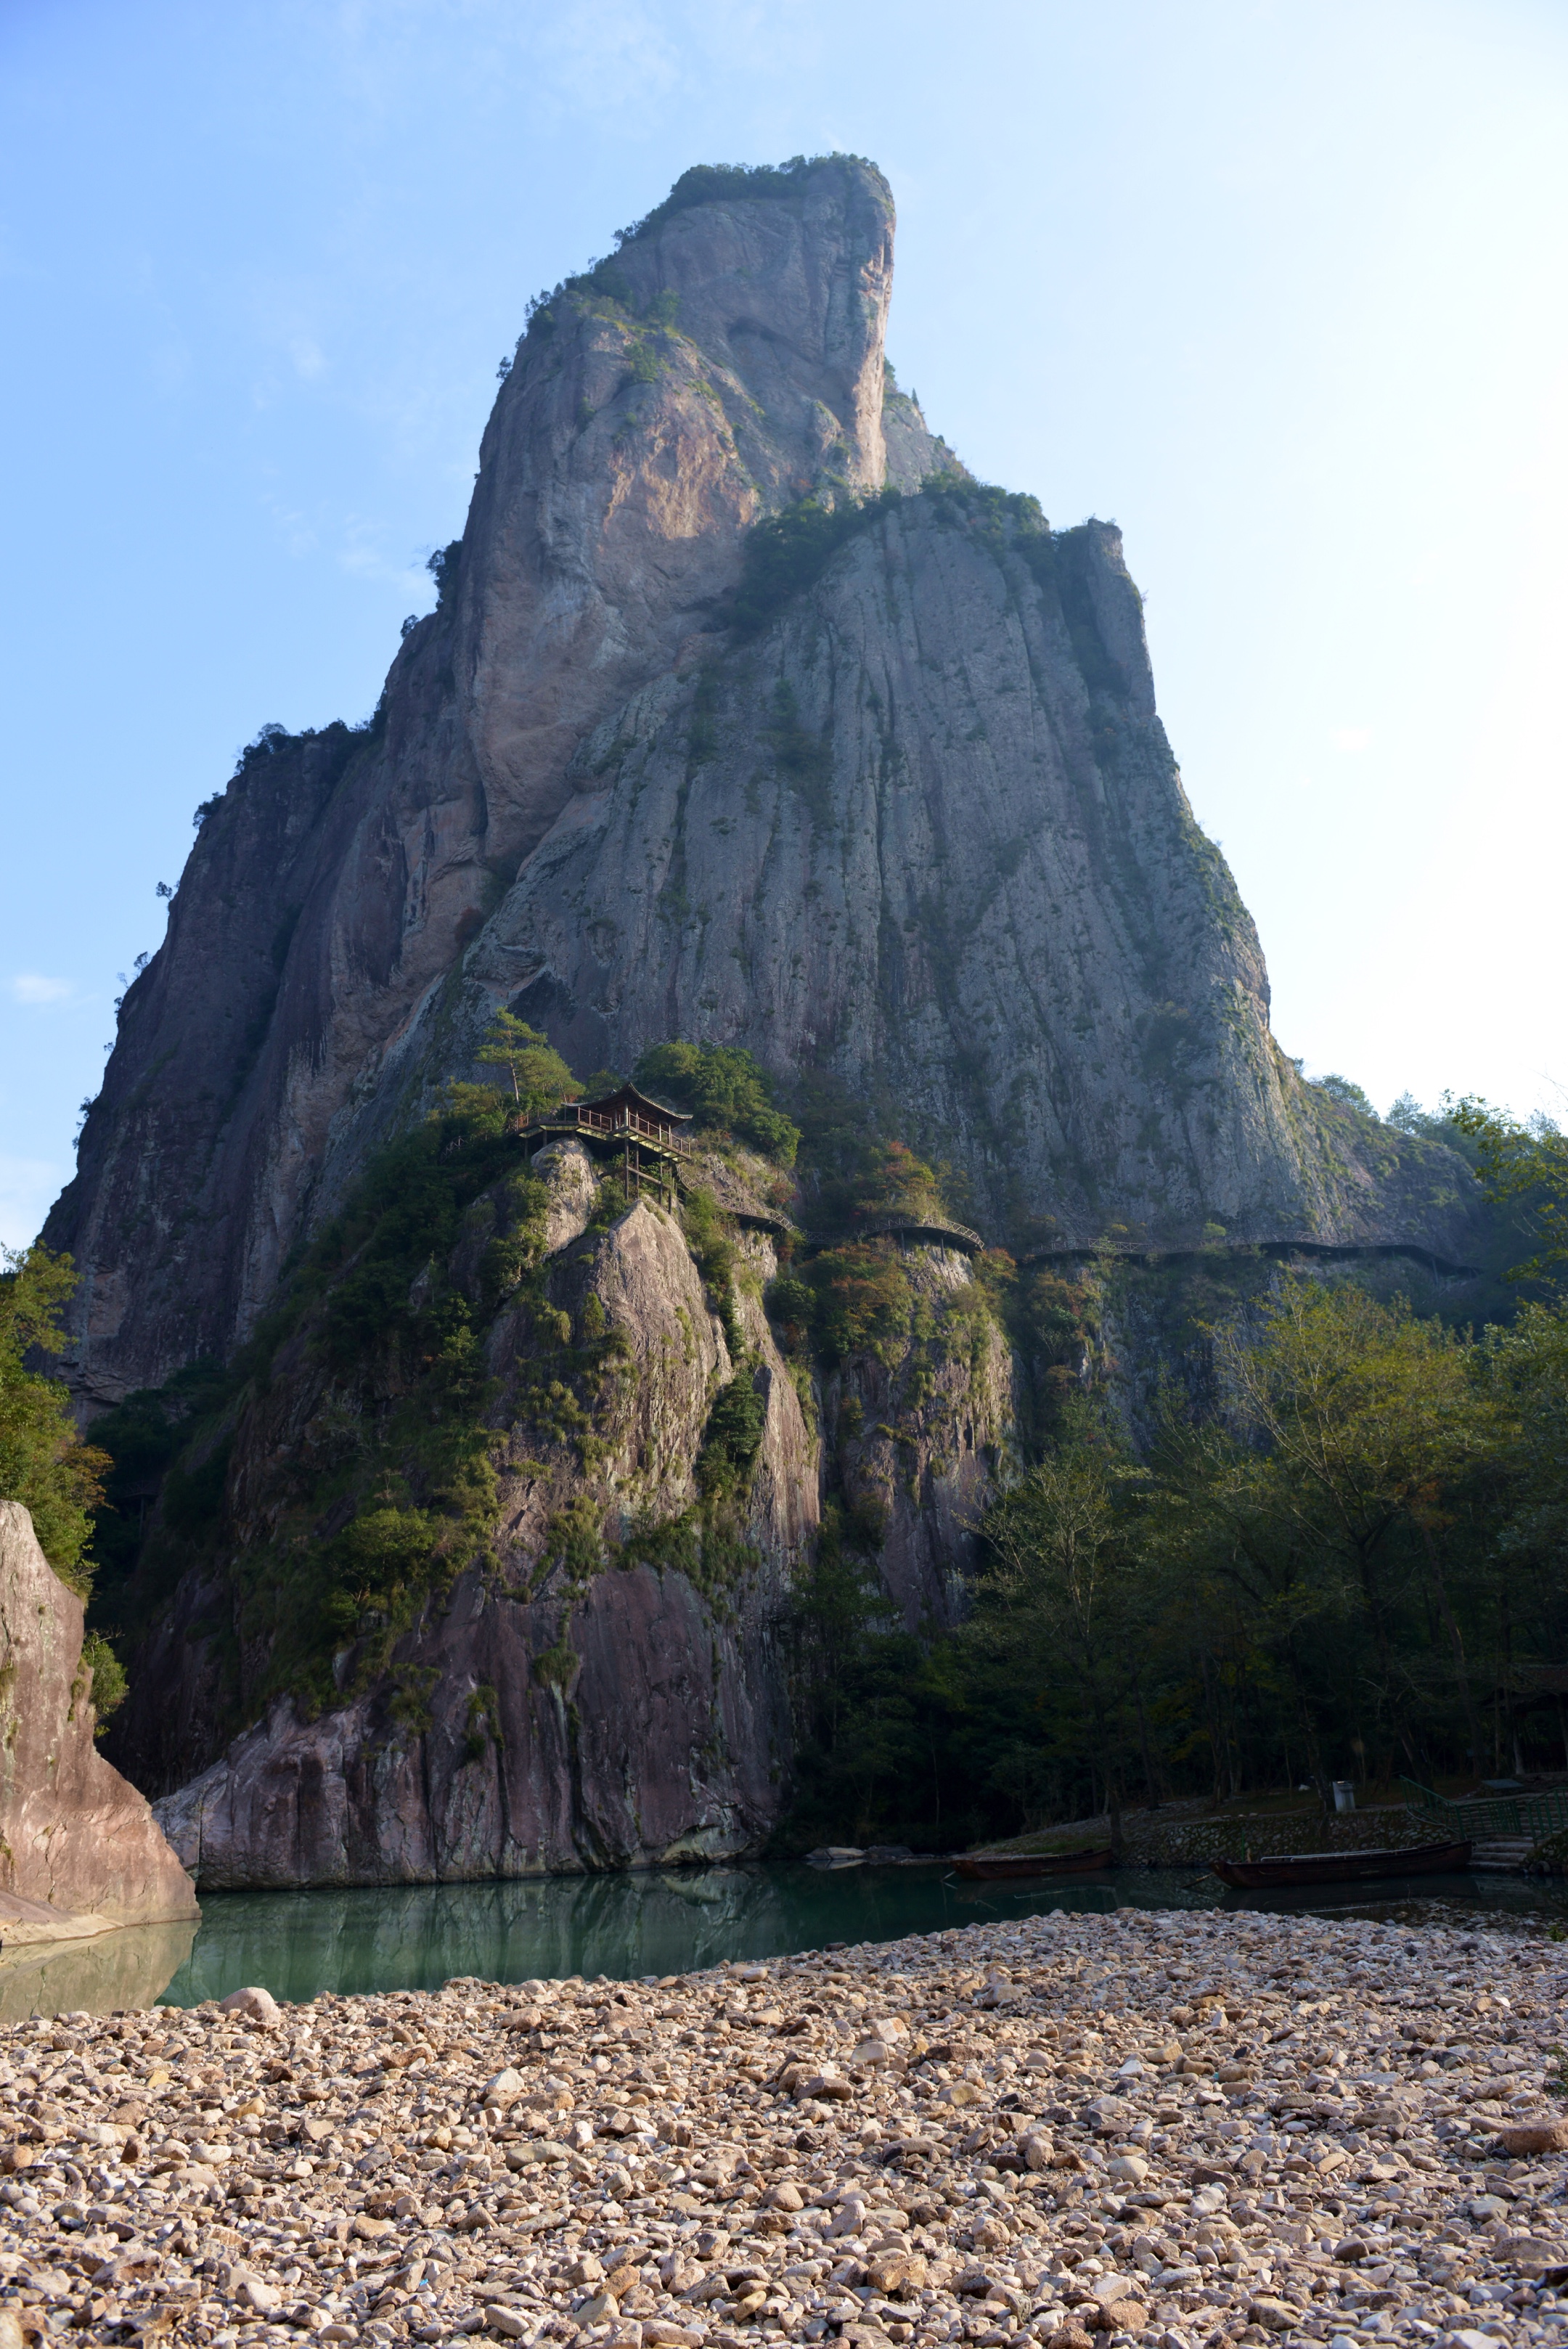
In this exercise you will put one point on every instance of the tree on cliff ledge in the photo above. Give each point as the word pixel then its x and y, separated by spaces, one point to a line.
pixel 44 1464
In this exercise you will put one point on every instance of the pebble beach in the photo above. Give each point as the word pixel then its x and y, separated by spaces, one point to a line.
pixel 1158 2126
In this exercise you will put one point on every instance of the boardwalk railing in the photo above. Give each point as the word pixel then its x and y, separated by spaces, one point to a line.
pixel 624 1126
pixel 1536 1815
pixel 933 1229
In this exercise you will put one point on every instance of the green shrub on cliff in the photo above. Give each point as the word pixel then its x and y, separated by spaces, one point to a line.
pixel 861 1300
pixel 790 551
pixel 731 1438
pixel 347 1534
pixel 718 183
pixel 44 1464
pixel 539 1078
pixel 725 1089
pixel 1524 1165
pixel 104 1675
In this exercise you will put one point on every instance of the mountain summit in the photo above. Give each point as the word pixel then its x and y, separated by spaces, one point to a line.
pixel 471 1469
pixel 914 823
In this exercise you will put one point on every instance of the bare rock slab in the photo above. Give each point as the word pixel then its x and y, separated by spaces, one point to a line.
pixel 80 1851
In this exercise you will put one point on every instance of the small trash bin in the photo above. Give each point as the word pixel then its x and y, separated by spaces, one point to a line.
pixel 1345 1794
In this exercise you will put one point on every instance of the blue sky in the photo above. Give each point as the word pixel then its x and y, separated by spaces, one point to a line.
pixel 1280 288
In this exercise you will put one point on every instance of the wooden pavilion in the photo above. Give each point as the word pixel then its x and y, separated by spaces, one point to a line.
pixel 644 1134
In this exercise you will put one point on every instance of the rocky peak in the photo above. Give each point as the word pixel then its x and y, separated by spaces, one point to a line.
pixel 916 823
pixel 728 359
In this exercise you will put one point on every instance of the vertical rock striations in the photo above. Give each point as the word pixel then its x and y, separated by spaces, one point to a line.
pixel 728 361
pixel 923 829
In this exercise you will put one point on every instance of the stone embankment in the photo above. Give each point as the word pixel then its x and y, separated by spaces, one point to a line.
pixel 1135 2125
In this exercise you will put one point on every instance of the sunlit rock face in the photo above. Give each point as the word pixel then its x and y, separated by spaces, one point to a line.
pixel 923 829
pixel 79 1849
pixel 730 362
pixel 900 814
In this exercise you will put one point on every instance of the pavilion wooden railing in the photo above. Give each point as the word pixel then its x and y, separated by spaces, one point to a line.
pixel 624 1126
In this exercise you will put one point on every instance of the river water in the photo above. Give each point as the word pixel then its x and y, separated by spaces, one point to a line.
pixel 416 1937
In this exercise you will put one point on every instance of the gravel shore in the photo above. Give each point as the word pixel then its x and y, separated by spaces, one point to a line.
pixel 1166 2126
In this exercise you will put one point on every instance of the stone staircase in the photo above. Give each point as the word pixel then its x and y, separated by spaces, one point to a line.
pixel 1501 1828
pixel 1502 1855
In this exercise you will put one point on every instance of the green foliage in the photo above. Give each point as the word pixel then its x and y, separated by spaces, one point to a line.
pixel 862 1300
pixel 725 1089
pixel 1522 1164
pixel 443 567
pixel 875 1709
pixel 1348 1095
pixel 789 552
pixel 1046 1318
pixel 731 1439
pixel 574 1545
pixel 555 1667
pixel 1526 1373
pixel 483 1724
pixel 354 1531
pixel 410 1703
pixel 1061 1602
pixel 1340 1556
pixel 540 1079
pixel 1320 1536
pixel 708 1237
pixel 143 1436
pixel 378 1554
pixel 44 1464
pixel 895 1183
pixel 108 1685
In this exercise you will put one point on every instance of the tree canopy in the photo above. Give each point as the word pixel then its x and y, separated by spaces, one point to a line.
pixel 1525 1165
pixel 43 1462
pixel 540 1079
pixel 725 1089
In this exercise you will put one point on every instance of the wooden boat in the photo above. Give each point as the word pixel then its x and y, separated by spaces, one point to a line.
pixel 1342 1866
pixel 988 1867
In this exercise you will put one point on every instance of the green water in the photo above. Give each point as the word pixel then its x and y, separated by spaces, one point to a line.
pixel 416 1937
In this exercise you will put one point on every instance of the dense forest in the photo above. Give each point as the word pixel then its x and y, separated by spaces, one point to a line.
pixel 1327 1543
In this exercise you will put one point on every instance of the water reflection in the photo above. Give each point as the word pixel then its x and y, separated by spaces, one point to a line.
pixel 116 1969
pixel 416 1937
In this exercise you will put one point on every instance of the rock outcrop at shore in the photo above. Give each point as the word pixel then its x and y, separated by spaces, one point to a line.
pixel 1066 2131
pixel 80 1851
pixel 622 1708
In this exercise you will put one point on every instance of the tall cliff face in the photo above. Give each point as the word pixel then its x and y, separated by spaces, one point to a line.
pixel 926 832
pixel 482 1558
pixel 728 361
pixel 923 829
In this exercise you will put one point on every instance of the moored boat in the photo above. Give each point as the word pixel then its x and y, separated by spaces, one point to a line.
pixel 989 1866
pixel 1342 1866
